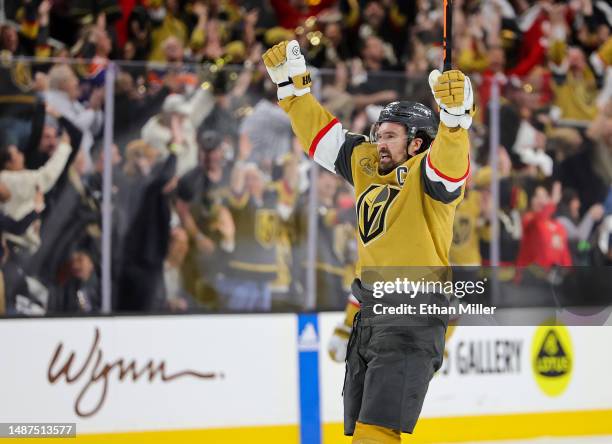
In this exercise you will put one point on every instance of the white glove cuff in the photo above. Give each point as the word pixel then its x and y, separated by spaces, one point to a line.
pixel 466 121
pixel 453 121
pixel 450 120
pixel 286 91
pixel 296 66
pixel 301 92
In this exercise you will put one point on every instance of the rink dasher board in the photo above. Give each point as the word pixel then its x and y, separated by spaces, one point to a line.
pixel 248 383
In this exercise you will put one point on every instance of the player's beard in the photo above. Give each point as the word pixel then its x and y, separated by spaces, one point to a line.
pixel 389 165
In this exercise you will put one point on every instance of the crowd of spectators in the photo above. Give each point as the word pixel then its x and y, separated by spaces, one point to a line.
pixel 211 195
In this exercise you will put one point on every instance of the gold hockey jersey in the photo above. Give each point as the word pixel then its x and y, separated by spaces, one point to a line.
pixel 405 217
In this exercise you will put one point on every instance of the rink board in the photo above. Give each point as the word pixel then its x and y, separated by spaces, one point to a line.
pixel 231 378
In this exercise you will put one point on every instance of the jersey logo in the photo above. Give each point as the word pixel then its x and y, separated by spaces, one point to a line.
pixel 366 166
pixel 372 209
pixel 266 227
pixel 22 76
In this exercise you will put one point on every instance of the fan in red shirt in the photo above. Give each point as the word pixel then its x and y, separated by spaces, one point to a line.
pixel 544 240
pixel 292 13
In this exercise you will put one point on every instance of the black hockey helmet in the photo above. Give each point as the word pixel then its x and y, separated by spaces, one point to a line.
pixel 418 119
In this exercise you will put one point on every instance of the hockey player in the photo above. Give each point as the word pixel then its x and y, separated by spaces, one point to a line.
pixel 407 186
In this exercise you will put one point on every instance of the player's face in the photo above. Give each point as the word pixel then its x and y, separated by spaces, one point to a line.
pixel 391 140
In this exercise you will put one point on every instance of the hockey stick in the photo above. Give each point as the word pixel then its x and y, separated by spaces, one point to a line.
pixel 448 35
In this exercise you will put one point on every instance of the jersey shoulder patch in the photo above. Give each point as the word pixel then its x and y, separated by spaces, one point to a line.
pixel 343 164
pixel 365 160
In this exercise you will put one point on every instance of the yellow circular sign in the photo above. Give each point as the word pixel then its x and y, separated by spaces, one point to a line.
pixel 552 358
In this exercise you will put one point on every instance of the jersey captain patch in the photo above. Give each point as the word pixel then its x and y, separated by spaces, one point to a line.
pixel 372 209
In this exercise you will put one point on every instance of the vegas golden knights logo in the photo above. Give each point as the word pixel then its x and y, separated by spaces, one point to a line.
pixel 266 227
pixel 22 76
pixel 372 209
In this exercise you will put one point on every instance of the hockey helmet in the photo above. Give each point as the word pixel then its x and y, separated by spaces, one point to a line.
pixel 418 119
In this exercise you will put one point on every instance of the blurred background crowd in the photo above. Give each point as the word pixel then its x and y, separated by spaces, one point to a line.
pixel 213 201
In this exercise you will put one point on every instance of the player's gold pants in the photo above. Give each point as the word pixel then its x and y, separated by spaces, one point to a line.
pixel 371 434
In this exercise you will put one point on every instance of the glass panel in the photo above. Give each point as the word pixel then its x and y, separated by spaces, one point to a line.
pixel 51 123
pixel 215 207
pixel 206 193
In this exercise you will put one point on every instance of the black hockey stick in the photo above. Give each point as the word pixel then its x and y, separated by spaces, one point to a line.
pixel 448 34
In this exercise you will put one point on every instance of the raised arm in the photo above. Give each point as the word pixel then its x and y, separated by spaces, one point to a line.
pixel 319 132
pixel 448 158
pixel 47 175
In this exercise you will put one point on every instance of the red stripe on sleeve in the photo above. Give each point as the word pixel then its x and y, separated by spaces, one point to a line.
pixel 319 136
pixel 444 176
